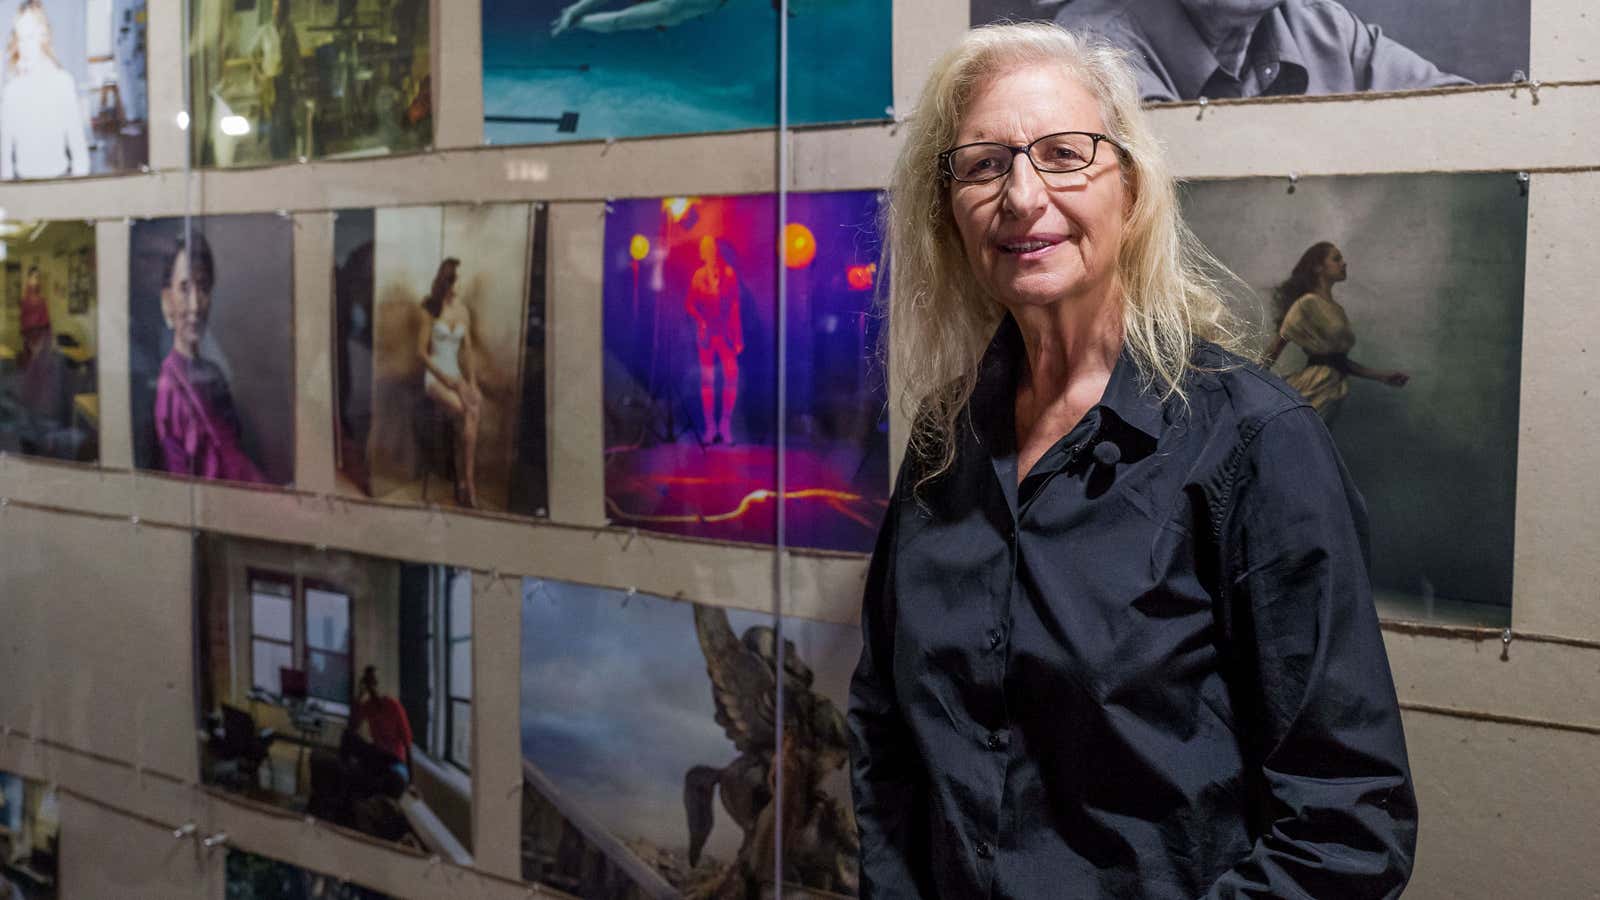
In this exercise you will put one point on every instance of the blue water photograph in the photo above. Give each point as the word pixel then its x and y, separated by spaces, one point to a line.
pixel 572 70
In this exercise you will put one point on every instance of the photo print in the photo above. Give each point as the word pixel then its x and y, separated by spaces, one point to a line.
pixel 440 333
pixel 277 80
pixel 1187 49
pixel 338 686
pixel 650 754
pixel 252 877
pixel 49 337
pixel 30 839
pixel 562 70
pixel 211 332
pixel 73 96
pixel 691 362
pixel 1393 303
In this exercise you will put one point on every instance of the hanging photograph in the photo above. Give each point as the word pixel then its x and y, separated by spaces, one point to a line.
pixel 252 877
pixel 211 333
pixel 1393 304
pixel 277 80
pixel 650 753
pixel 691 368
pixel 440 334
pixel 562 70
pixel 30 839
pixel 339 686
pixel 1187 49
pixel 72 88
pixel 49 399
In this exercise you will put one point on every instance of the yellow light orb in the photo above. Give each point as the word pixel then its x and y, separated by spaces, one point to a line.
pixel 639 247
pixel 799 246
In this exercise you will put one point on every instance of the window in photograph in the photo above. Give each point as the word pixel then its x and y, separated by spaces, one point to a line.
pixel 271 631
pixel 328 647
pixel 302 627
pixel 458 670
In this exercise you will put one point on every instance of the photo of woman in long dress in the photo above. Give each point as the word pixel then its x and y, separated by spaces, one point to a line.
pixel 449 377
pixel 1311 319
pixel 41 124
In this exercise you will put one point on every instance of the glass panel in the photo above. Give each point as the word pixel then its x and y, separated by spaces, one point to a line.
pixel 461 733
pixel 271 616
pixel 461 669
pixel 267 658
pixel 327 620
pixel 461 606
pixel 328 677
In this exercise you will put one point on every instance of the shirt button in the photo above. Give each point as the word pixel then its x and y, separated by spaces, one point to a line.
pixel 996 637
pixel 984 850
pixel 995 741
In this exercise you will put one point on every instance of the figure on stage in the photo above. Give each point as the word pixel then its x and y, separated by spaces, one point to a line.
pixel 713 303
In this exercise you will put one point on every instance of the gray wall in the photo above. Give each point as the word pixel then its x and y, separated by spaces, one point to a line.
pixel 1436 267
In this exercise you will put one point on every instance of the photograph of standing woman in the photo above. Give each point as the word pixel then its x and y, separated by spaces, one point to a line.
pixel 72 88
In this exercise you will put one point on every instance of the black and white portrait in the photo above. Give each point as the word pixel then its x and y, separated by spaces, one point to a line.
pixel 1186 49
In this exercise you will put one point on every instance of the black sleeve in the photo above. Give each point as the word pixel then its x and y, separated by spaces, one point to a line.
pixel 1319 712
pixel 887 776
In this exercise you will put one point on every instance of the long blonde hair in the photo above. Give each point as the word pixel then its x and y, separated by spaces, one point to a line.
pixel 13 55
pixel 941 319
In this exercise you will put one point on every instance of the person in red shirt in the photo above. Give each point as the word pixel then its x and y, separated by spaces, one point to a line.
pixel 387 724
pixel 35 318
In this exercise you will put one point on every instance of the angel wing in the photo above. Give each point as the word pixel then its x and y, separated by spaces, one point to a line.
pixel 742 684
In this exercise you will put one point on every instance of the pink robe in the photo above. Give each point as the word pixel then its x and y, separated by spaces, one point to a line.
pixel 196 424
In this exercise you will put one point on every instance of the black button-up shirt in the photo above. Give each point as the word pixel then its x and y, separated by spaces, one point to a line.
pixel 1153 669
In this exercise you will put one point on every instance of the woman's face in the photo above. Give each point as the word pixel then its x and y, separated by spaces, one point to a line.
pixel 1334 267
pixel 33 279
pixel 1037 239
pixel 186 303
pixel 30 31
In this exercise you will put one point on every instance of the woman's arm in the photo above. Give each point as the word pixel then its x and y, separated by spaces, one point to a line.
pixel 1317 712
pixel 887 778
pixel 1278 343
pixel 77 144
pixel 1392 379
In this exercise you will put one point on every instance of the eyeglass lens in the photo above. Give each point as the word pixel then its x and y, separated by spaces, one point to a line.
pixel 1066 152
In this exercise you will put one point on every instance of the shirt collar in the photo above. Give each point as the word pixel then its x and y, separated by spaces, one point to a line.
pixel 1183 51
pixel 1128 395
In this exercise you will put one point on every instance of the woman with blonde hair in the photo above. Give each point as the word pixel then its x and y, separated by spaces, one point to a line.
pixel 41 123
pixel 1119 637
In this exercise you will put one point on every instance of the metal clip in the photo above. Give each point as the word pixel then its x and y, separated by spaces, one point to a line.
pixel 1523 180
pixel 1505 645
pixel 186 830
pixel 1294 179
pixel 1205 103
pixel 215 840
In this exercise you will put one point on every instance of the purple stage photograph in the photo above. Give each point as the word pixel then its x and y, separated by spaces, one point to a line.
pixel 691 369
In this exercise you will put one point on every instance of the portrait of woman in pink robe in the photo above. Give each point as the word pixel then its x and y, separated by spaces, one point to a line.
pixel 196 425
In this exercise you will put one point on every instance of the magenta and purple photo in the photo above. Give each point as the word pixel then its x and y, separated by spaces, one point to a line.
pixel 211 347
pixel 692 360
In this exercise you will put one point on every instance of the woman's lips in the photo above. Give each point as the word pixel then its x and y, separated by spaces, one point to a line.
pixel 1032 246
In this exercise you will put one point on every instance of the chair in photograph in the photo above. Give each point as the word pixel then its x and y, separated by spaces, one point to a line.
pixel 239 748
pixel 436 444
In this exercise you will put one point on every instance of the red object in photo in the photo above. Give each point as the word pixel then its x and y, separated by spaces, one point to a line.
pixel 860 277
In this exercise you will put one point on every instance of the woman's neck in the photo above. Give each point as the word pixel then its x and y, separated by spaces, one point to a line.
pixel 1068 344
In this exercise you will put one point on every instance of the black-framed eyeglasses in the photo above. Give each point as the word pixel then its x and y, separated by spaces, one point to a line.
pixel 1064 151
